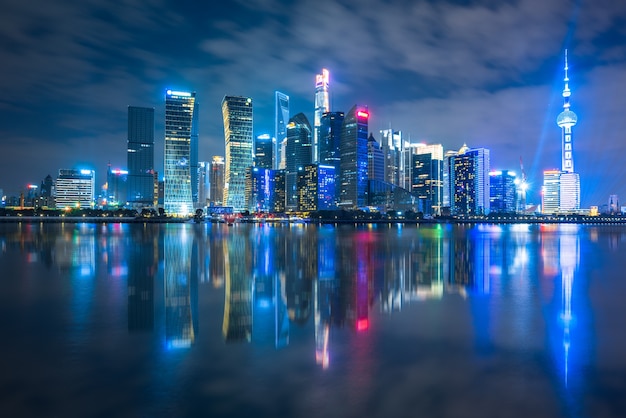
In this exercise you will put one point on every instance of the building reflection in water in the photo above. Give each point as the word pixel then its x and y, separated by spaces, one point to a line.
pixel 238 321
pixel 142 260
pixel 178 286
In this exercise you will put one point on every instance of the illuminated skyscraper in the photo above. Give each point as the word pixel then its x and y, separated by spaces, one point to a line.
pixel 179 114
pixel 469 181
pixel 322 105
pixel 427 177
pixel 298 154
pixel 216 180
pixel 550 191
pixel 204 187
pixel 280 126
pixel 329 136
pixel 75 189
pixel 502 191
pixel 375 160
pixel 263 151
pixel 316 187
pixel 140 156
pixel 237 114
pixel 353 165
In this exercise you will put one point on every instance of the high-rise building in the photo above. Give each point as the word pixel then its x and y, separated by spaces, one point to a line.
pixel 117 187
pixel 427 177
pixel 322 105
pixel 216 180
pixel 329 138
pixel 75 188
pixel 469 180
pixel 353 164
pixel 281 119
pixel 277 186
pixel 179 115
pixel 204 185
pixel 550 195
pixel 237 115
pixel 375 160
pixel 193 156
pixel 502 191
pixel 316 187
pixel 298 154
pixel 393 147
pixel 263 151
pixel 258 189
pixel 140 156
pixel 613 206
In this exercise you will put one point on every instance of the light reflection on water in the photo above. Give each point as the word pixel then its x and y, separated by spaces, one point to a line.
pixel 173 307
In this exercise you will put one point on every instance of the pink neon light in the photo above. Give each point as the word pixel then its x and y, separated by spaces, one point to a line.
pixel 362 114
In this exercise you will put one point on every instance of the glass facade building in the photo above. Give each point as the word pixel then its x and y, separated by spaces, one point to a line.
pixel 263 151
pixel 298 154
pixel 316 187
pixel 179 115
pixel 469 180
pixel 353 163
pixel 427 177
pixel 216 181
pixel 502 191
pixel 322 105
pixel 237 116
pixel 140 156
pixel 281 119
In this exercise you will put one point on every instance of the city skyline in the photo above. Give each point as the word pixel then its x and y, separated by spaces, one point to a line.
pixel 482 72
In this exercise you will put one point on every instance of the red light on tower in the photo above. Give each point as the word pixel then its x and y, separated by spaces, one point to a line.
pixel 363 114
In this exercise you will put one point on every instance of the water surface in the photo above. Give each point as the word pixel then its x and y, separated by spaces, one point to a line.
pixel 312 321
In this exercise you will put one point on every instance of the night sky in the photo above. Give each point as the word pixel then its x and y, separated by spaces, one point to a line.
pixel 488 73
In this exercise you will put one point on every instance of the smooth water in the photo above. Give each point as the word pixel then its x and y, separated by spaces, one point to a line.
pixel 132 320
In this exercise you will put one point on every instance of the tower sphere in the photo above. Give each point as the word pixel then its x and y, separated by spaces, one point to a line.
pixel 566 118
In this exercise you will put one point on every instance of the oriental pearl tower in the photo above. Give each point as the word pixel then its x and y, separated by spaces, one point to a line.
pixel 566 120
pixel 569 193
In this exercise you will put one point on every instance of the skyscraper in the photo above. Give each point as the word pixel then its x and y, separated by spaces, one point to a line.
pixel 75 189
pixel 469 181
pixel 298 154
pixel 502 191
pixel 193 157
pixel 140 156
pixel 263 151
pixel 329 137
pixel 375 160
pixel 237 115
pixel 216 180
pixel 353 164
pixel 179 110
pixel 204 186
pixel 427 177
pixel 281 118
pixel 322 105
pixel 550 191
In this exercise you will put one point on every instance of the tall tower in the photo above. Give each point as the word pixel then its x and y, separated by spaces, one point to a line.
pixel 179 114
pixel 280 126
pixel 569 182
pixel 322 105
pixel 566 120
pixel 140 156
pixel 237 114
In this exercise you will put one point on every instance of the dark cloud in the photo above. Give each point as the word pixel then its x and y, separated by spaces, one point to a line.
pixel 486 73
